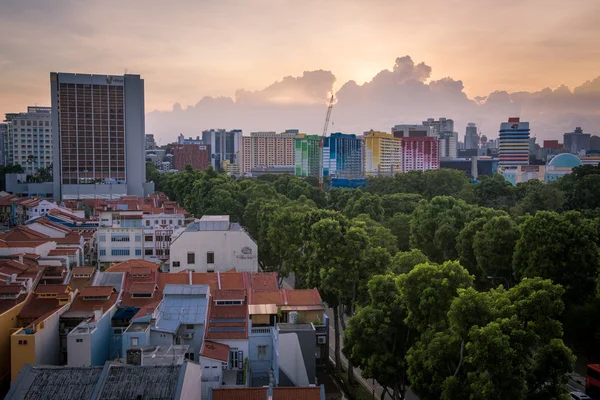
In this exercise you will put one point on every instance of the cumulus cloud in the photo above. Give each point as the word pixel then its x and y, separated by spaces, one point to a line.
pixel 403 94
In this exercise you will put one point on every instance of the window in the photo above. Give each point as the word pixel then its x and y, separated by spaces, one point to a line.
pixel 176 264
pixel 138 238
pixel 81 341
pixel 164 221
pixel 118 237
pixel 262 352
pixel 138 252
pixel 170 222
pixel 148 238
pixel 134 341
pixel 189 356
pixel 236 359
pixel 148 252
pixel 178 222
pixel 210 257
pixel 102 252
pixel 189 326
pixel 147 222
pixel 191 258
pixel 119 252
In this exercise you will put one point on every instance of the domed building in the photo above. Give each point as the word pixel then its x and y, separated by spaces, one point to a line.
pixel 560 166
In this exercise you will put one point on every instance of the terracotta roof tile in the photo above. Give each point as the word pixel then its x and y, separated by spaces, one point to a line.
pixel 50 289
pixel 128 301
pixel 227 316
pixel 239 394
pixel 142 287
pixel 11 289
pixel 303 297
pixel 81 304
pixel 126 266
pixel 297 393
pixel 263 281
pixel 266 297
pixel 7 304
pixel 82 271
pixel 63 252
pixel 97 291
pixel 233 294
pixel 214 350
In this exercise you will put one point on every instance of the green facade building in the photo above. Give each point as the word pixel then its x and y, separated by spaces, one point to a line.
pixel 307 154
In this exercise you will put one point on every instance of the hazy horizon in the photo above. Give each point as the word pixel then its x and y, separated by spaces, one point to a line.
pixel 272 66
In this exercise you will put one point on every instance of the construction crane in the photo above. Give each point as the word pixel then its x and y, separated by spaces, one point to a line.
pixel 323 139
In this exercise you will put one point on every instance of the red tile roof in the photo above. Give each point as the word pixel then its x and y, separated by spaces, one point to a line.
pixel 142 287
pixel 266 297
pixel 297 393
pixel 29 244
pixel 45 221
pixel 126 266
pixel 263 281
pixel 233 294
pixel 23 233
pixel 83 271
pixel 97 291
pixel 214 350
pixel 127 300
pixel 81 304
pixel 63 252
pixel 71 238
pixel 235 316
pixel 302 297
pixel 239 394
pixel 7 304
pixel 147 309
pixel 50 289
pixel 11 289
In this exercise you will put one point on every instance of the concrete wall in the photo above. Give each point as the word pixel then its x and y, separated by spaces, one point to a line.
pixel 101 338
pixel 144 339
pixel 41 250
pixel 108 245
pixel 227 248
pixel 135 135
pixel 43 347
pixel 79 354
pixel 212 375
pixel 8 322
pixel 44 189
pixel 192 384
pixel 236 344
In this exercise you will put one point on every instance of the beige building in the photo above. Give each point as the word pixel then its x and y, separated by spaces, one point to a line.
pixel 383 153
pixel 268 149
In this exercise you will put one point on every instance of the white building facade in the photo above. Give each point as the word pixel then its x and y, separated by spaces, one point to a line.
pixel 119 237
pixel 213 244
pixel 158 230
pixel 28 139
pixel 268 149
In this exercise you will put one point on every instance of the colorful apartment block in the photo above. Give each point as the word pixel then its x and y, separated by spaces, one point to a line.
pixel 383 154
pixel 308 151
pixel 343 156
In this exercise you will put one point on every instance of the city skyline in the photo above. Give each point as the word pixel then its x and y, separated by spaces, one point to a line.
pixel 460 56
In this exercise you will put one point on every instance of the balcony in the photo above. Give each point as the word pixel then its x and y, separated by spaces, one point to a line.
pixel 262 331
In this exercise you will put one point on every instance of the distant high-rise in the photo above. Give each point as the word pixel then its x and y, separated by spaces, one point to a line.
pixel 383 153
pixel 98 129
pixel 224 145
pixel 407 130
pixel 443 130
pixel 577 141
pixel 307 154
pixel 471 137
pixel 595 143
pixel 513 143
pixel 28 139
pixel 183 140
pixel 420 153
pixel 150 142
pixel 268 149
pixel 343 156
pixel 3 140
pixel 439 126
pixel 196 155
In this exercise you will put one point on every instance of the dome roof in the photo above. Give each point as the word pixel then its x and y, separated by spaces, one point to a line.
pixel 565 160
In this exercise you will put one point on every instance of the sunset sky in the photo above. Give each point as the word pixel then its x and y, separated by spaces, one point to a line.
pixel 187 50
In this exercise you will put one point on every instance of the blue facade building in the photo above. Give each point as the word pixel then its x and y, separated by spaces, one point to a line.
pixel 343 156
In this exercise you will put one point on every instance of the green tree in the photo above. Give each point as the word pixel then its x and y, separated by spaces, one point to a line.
pixel 377 338
pixel 395 203
pixel 428 291
pixel 435 226
pixel 496 345
pixel 495 192
pixel 399 226
pixel 494 245
pixel 561 247
pixel 336 251
pixel 404 262
pixel 536 196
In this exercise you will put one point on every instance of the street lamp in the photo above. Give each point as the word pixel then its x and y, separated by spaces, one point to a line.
pixel 491 277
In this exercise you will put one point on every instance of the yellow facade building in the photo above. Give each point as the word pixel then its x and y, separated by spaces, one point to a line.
pixel 383 154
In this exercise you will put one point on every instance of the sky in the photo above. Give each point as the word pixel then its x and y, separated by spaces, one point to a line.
pixel 271 65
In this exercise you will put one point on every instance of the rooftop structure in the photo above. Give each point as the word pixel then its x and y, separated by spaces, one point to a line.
pixel 108 382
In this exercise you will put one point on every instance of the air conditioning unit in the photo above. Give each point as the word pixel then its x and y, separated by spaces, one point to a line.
pixel 321 339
